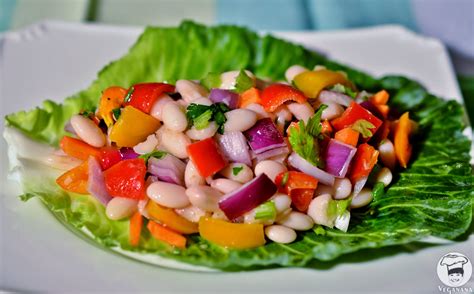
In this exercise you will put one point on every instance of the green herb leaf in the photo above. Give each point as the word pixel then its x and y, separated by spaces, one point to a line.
pixel 212 80
pixel 129 94
pixel 236 170
pixel 243 82
pixel 363 127
pixel 88 112
pixel 266 211
pixel 201 115
pixel 116 113
pixel 344 90
pixel 202 121
pixel 319 230
pixel 155 154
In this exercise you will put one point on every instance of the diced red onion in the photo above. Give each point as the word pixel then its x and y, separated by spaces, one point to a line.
pixel 234 148
pixel 334 97
pixel 370 107
pixel 303 165
pixel 247 197
pixel 271 153
pixel 68 128
pixel 168 169
pixel 358 185
pixel 95 182
pixel 338 158
pixel 128 153
pixel 227 97
pixel 264 136
pixel 142 207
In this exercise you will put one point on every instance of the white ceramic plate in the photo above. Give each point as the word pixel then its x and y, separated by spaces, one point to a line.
pixel 54 60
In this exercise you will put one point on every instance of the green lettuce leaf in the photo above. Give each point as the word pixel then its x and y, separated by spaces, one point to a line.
pixel 432 197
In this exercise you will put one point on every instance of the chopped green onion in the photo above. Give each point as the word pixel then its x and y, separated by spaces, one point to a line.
pixel 243 82
pixel 362 126
pixel 286 176
pixel 236 170
pixel 156 154
pixel 266 211
pixel 202 121
pixel 129 94
pixel 319 230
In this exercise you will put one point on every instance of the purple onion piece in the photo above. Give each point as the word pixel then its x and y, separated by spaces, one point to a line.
pixel 168 169
pixel 303 165
pixel 264 136
pixel 128 153
pixel 271 153
pixel 234 148
pixel 338 158
pixel 227 97
pixel 96 183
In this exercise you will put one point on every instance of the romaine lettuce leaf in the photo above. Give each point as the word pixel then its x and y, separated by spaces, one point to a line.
pixel 433 197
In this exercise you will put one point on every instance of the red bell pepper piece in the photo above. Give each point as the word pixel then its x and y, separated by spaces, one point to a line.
pixel 206 157
pixel 275 95
pixel 126 179
pixel 109 156
pixel 354 113
pixel 142 96
pixel 301 198
pixel 299 186
pixel 363 162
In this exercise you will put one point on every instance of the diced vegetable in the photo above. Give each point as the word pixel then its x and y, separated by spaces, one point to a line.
pixel 143 96
pixel 299 186
pixel 96 183
pixel 264 136
pixel 266 211
pixel 133 127
pixel 234 147
pixel 305 166
pixel 135 228
pixel 112 98
pixel 164 234
pixel 126 179
pixel 401 140
pixel 168 217
pixel 363 163
pixel 168 169
pixel 380 98
pixel 374 109
pixel 128 153
pixel 301 198
pixel 354 113
pixel 108 157
pixel 75 180
pixel 334 97
pixel 347 136
pixel 275 95
pixel 227 97
pixel 77 148
pixel 313 82
pixel 250 96
pixel 338 158
pixel 200 115
pixel 231 235
pixel 326 128
pixel 247 197
pixel 206 157
pixel 271 153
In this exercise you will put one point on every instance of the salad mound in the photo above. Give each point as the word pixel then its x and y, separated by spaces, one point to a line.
pixel 229 169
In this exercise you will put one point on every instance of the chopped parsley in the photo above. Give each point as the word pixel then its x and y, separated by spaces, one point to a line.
pixel 236 170
pixel 212 80
pixel 88 113
pixel 155 154
pixel 201 115
pixel 363 127
pixel 243 82
pixel 344 90
pixel 304 138
pixel 116 113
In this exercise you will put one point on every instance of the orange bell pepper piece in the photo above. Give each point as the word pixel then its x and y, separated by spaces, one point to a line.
pixel 111 99
pixel 135 228
pixel 313 82
pixel 231 235
pixel 171 219
pixel 347 136
pixel 380 98
pixel 403 148
pixel 75 180
pixel 77 148
pixel 250 96
pixel 164 234
pixel 132 127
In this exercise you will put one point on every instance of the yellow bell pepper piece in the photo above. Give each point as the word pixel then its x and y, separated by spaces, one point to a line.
pixel 231 235
pixel 170 219
pixel 313 82
pixel 111 99
pixel 132 127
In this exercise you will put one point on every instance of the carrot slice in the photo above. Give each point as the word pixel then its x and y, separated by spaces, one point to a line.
pixel 250 96
pixel 136 222
pixel 164 234
pixel 348 136
pixel 380 98
pixel 402 134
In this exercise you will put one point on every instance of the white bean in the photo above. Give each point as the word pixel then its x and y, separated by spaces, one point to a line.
pixel 157 108
pixel 387 154
pixel 293 71
pixel 175 143
pixel 174 117
pixel 190 91
pixel 297 221
pixel 146 146
pixel 385 176
pixel 88 131
pixel 203 101
pixel 342 188
pixel 204 197
pixel 260 111
pixel 282 202
pixel 205 133
pixel 302 111
pixel 120 208
pixel 192 176
pixel 228 79
pixel 280 234
pixel 318 210
pixel 283 114
pixel 238 172
pixel 362 199
pixel 239 120
pixel 191 213
pixel 167 194
pixel 142 207
pixel 318 67
pixel 323 189
pixel 225 185
pixel 270 168
pixel 332 111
